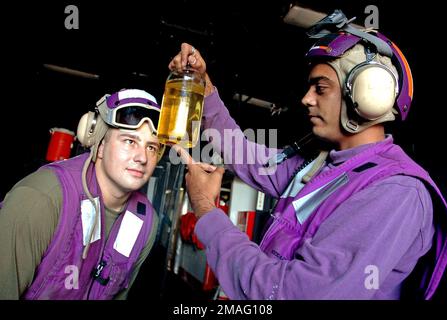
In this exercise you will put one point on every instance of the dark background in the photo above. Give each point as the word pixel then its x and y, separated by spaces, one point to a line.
pixel 248 48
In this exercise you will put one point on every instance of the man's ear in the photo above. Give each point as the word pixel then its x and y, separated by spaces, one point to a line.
pixel 101 150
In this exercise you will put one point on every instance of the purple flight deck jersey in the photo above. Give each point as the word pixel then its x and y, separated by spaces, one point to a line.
pixel 62 273
pixel 355 231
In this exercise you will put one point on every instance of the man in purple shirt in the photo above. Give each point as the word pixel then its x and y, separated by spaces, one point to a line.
pixel 354 222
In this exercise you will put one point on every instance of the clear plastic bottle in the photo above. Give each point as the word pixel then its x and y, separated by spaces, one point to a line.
pixel 181 108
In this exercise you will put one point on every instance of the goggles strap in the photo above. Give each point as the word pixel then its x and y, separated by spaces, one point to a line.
pixel 382 47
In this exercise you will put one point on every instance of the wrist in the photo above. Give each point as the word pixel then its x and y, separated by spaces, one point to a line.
pixel 202 209
pixel 209 88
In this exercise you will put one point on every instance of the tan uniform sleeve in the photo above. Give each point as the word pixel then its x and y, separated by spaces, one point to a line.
pixel 28 219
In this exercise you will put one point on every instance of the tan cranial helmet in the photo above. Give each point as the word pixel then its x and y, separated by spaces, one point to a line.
pixel 374 75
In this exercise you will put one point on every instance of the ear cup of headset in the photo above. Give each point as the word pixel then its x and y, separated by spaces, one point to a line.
pixel 373 90
pixel 91 129
pixel 84 127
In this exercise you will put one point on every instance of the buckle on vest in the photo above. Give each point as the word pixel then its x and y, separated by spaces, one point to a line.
pixel 96 273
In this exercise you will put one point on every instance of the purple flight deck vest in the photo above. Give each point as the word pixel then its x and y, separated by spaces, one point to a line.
pixel 292 225
pixel 62 273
